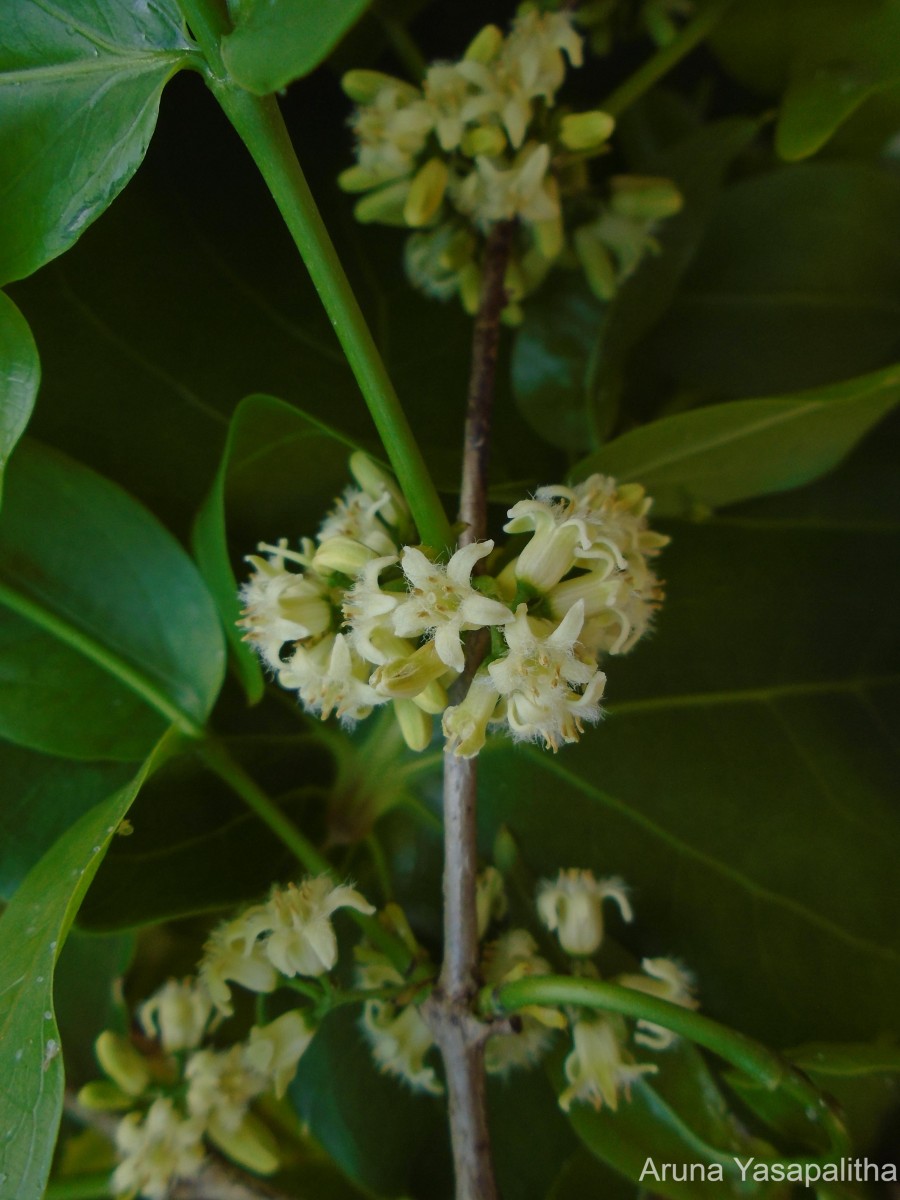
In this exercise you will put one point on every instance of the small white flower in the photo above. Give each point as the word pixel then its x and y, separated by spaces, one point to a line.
pixel 358 516
pixel 297 920
pixel 442 601
pixel 233 953
pixel 536 47
pixel 447 90
pixel 155 1150
pixel 398 1035
pixel 599 1066
pixel 572 907
pixel 330 677
pixel 177 1013
pixel 538 678
pixel 494 193
pixel 221 1085
pixel 367 609
pixel 513 956
pixel 667 979
pixel 274 1050
pixel 465 724
pixel 280 605
pixel 392 130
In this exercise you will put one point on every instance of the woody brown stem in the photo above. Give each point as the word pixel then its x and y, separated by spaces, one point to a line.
pixel 458 1032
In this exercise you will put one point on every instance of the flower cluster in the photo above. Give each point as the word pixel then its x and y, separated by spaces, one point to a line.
pixel 181 1093
pixel 481 142
pixel 366 621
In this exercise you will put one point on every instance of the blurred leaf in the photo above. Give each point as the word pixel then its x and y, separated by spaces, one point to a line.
pixel 88 977
pixel 80 83
pixel 796 284
pixel 33 929
pixel 20 373
pixel 584 1175
pixel 551 361
pixel 729 452
pixel 260 491
pixel 827 56
pixel 384 1136
pixel 42 798
pixel 526 1169
pixel 277 41
pixel 52 698
pixel 196 847
pixel 84 562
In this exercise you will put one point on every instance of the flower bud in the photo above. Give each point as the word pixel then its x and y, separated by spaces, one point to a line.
pixel 359 179
pixel 122 1063
pixel 426 193
pixel 486 140
pixel 384 207
pixel 415 725
pixel 103 1096
pixel 375 482
pixel 251 1145
pixel 585 131
pixel 465 725
pixel 344 555
pixel 644 197
pixel 432 699
pixel 485 45
pixel 405 678
pixel 596 262
pixel 363 86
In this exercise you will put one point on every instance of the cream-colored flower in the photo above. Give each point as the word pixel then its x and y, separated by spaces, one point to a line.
pixel 330 677
pixel 274 1050
pixel 177 1013
pixel 599 1066
pixel 368 609
pixel 281 606
pixel 358 516
pixel 572 908
pixel 221 1086
pixel 667 979
pixel 495 192
pixel 465 724
pixel 297 921
pixel 514 956
pixel 447 91
pixel 536 48
pixel 156 1149
pixel 442 601
pixel 619 608
pixel 399 1037
pixel 392 130
pixel 539 676
pixel 234 954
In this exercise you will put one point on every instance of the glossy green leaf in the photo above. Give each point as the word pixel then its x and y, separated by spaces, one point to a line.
pixel 264 489
pixel 52 698
pixel 33 929
pixel 197 848
pixel 20 374
pixel 729 452
pixel 85 563
pixel 551 362
pixel 277 41
pixel 42 797
pixel 80 83
pixel 828 57
pixel 792 287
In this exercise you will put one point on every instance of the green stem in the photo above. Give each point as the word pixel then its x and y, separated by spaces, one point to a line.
pixel 755 1060
pixel 402 42
pixel 665 59
pixel 79 1187
pixel 259 123
pixel 230 771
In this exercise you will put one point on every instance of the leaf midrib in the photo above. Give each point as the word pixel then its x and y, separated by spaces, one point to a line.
pixel 120 65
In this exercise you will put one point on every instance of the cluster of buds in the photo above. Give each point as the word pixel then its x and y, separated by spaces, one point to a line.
pixel 368 621
pixel 481 142
pixel 179 1093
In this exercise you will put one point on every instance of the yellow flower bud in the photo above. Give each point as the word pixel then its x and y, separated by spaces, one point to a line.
pixel 384 207
pixel 122 1063
pixel 585 131
pixel 405 678
pixel 363 86
pixel 342 554
pixel 597 263
pixel 415 725
pixel 644 197
pixel 485 45
pixel 487 140
pixel 358 179
pixel 103 1096
pixel 432 699
pixel 426 193
pixel 251 1145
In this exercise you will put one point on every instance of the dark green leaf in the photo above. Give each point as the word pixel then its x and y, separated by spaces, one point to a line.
pixel 551 362
pixel 80 83
pixel 729 452
pixel 585 1176
pixel 33 929
pixel 88 997
pixel 277 41
pixel 259 494
pixel 20 373
pixel 796 284
pixel 524 1101
pixel 85 563
pixel 42 798
pixel 196 847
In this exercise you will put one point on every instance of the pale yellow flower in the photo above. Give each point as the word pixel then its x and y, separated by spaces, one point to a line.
pixel 156 1148
pixel 599 1066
